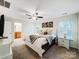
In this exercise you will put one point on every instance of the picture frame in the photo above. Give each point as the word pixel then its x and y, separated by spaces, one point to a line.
pixel 50 24
pixel 47 24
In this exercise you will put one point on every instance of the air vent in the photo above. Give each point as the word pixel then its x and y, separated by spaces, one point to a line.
pixel 2 2
pixel 7 4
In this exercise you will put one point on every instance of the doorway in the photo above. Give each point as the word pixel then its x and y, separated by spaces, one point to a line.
pixel 17 30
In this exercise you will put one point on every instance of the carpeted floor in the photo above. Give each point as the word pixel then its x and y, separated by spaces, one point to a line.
pixel 55 52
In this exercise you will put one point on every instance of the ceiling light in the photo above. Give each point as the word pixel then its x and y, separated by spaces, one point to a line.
pixel 34 17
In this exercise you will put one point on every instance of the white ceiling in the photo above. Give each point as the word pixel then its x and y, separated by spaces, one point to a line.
pixel 46 8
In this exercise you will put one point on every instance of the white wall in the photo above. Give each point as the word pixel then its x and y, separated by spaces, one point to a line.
pixel 12 21
pixel 29 28
pixel 32 26
pixel 7 30
pixel 73 19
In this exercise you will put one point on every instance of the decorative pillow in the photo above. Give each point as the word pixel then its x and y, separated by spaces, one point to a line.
pixel 45 33
pixel 33 38
pixel 27 38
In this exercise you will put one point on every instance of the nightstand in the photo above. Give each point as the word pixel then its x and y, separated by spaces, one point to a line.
pixel 63 42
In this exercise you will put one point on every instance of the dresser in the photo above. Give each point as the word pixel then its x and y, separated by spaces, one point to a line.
pixel 63 42
pixel 5 49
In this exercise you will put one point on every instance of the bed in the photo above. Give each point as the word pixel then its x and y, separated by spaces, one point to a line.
pixel 39 45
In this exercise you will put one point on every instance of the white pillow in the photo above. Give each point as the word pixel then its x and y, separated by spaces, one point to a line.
pixel 27 38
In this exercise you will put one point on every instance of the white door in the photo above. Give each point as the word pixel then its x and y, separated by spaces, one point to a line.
pixel 17 27
pixel 7 29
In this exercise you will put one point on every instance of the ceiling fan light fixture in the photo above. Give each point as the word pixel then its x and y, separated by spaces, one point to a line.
pixel 34 17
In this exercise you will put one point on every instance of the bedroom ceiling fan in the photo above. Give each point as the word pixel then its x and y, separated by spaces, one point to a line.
pixel 34 16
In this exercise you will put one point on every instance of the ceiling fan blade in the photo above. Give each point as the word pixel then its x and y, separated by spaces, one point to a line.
pixel 30 18
pixel 39 17
pixel 21 10
pixel 27 14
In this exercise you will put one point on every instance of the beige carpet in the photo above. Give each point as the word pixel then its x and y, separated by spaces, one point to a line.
pixel 24 52
pixel 55 52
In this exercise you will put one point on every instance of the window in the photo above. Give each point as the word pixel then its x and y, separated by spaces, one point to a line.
pixel 65 29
